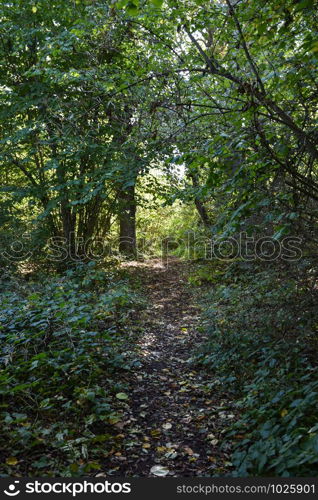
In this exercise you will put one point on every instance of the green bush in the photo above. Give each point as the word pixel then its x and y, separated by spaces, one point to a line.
pixel 262 333
pixel 279 420
pixel 62 347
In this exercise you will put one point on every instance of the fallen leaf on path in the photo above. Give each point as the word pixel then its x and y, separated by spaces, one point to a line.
pixel 120 425
pixel 187 419
pixel 122 396
pixel 159 470
pixel 114 419
pixel 188 450
pixel 167 426
pixel 155 432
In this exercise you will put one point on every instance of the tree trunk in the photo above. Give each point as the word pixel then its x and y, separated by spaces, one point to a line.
pixel 69 227
pixel 68 216
pixel 202 211
pixel 127 221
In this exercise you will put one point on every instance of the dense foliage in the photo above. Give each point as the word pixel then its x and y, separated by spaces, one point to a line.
pixel 137 128
pixel 64 343
pixel 262 330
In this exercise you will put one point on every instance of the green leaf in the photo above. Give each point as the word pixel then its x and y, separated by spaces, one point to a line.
pixel 122 396
pixel 157 3
pixel 304 4
pixel 132 9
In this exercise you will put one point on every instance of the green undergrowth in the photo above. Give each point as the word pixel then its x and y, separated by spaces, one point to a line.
pixel 64 358
pixel 262 323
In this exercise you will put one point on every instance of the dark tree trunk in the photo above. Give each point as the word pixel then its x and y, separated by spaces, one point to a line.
pixel 202 211
pixel 68 216
pixel 69 227
pixel 127 222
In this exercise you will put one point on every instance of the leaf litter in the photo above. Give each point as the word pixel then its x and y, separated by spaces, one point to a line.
pixel 174 416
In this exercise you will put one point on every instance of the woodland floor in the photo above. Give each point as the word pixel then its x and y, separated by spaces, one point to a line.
pixel 175 419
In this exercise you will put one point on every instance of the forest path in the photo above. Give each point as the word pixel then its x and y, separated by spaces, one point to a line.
pixel 174 421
